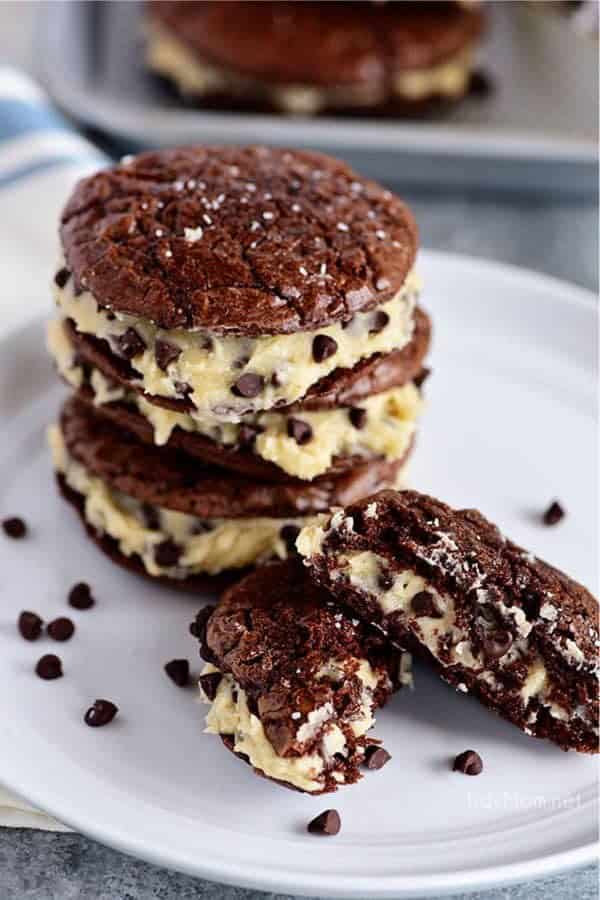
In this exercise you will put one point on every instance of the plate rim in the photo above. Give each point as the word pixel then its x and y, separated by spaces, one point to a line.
pixel 328 884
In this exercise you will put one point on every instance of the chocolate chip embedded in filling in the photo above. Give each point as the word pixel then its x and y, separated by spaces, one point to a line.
pixel 288 535
pixel 299 430
pixel 497 644
pixel 380 320
pixel 61 277
pixel 167 554
pixel 150 516
pixel 165 354
pixel 323 347
pixel 358 417
pixel 247 435
pixel 130 343
pixel 210 684
pixel 385 579
pixel 423 604
pixel 248 385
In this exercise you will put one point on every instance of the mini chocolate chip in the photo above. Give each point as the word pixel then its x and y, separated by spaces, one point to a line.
pixel 554 513
pixel 497 644
pixel 288 534
pixel 385 579
pixel 299 430
pixel 29 625
pixel 323 347
pixel 14 527
pixel 422 377
pixel 468 762
pixel 130 343
pixel 167 554
pixel 376 757
pixel 165 354
pixel 178 671
pixel 60 629
pixel 49 667
pixel 380 320
pixel 101 713
pixel 210 684
pixel 358 417
pixel 80 596
pixel 327 822
pixel 480 84
pixel 247 435
pixel 182 388
pixel 61 277
pixel 248 385
pixel 423 604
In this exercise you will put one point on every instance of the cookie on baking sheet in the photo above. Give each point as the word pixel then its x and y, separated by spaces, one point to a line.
pixel 495 620
pixel 292 682
pixel 179 517
pixel 362 55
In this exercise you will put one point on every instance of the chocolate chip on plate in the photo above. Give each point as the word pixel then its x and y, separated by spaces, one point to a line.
pixel 323 347
pixel 327 822
pixel 80 596
pixel 49 667
pixel 178 671
pixel 61 277
pixel 553 514
pixel 130 343
pixel 60 629
pixel 376 757
pixel 299 430
pixel 14 527
pixel 380 320
pixel 497 644
pixel 165 354
pixel 248 385
pixel 210 683
pixel 423 604
pixel 101 713
pixel 358 417
pixel 29 625
pixel 167 554
pixel 468 762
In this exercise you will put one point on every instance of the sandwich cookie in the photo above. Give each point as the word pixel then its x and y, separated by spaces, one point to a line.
pixel 495 620
pixel 292 684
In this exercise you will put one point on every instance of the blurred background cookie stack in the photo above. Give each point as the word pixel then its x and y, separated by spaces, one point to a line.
pixel 241 331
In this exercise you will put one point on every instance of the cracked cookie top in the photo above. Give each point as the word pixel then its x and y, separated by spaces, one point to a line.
pixel 242 241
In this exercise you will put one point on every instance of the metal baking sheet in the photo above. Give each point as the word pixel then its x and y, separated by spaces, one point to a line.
pixel 537 130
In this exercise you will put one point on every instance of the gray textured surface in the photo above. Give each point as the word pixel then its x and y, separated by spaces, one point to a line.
pixel 557 237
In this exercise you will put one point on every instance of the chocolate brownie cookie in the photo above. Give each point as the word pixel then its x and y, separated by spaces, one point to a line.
pixel 236 278
pixel 375 418
pixel 362 55
pixel 293 683
pixel 180 517
pixel 495 620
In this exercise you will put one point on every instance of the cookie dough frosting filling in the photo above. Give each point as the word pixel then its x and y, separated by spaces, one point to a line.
pixel 169 543
pixel 438 585
pixel 227 377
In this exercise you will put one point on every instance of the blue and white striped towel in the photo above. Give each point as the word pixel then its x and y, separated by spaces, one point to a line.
pixel 41 156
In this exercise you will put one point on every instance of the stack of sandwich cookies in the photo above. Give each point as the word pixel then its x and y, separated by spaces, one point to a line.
pixel 242 323
pixel 364 56
pixel 494 620
pixel 293 683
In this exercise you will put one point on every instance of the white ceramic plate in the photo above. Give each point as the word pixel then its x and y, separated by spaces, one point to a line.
pixel 510 425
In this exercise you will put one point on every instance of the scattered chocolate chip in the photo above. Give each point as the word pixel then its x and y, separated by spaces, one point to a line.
pixel 247 435
pixel 358 417
pixel 480 84
pixel 327 822
pixel 299 430
pixel 61 277
pixel 101 713
pixel 49 667
pixel 178 671
pixel 248 385
pixel 376 757
pixel 553 514
pixel 210 684
pixel 130 343
pixel 14 527
pixel 423 604
pixel 80 596
pixel 422 377
pixel 29 625
pixel 167 554
pixel 288 535
pixel 469 763
pixel 497 644
pixel 165 354
pixel 380 320
pixel 323 347
pixel 60 629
